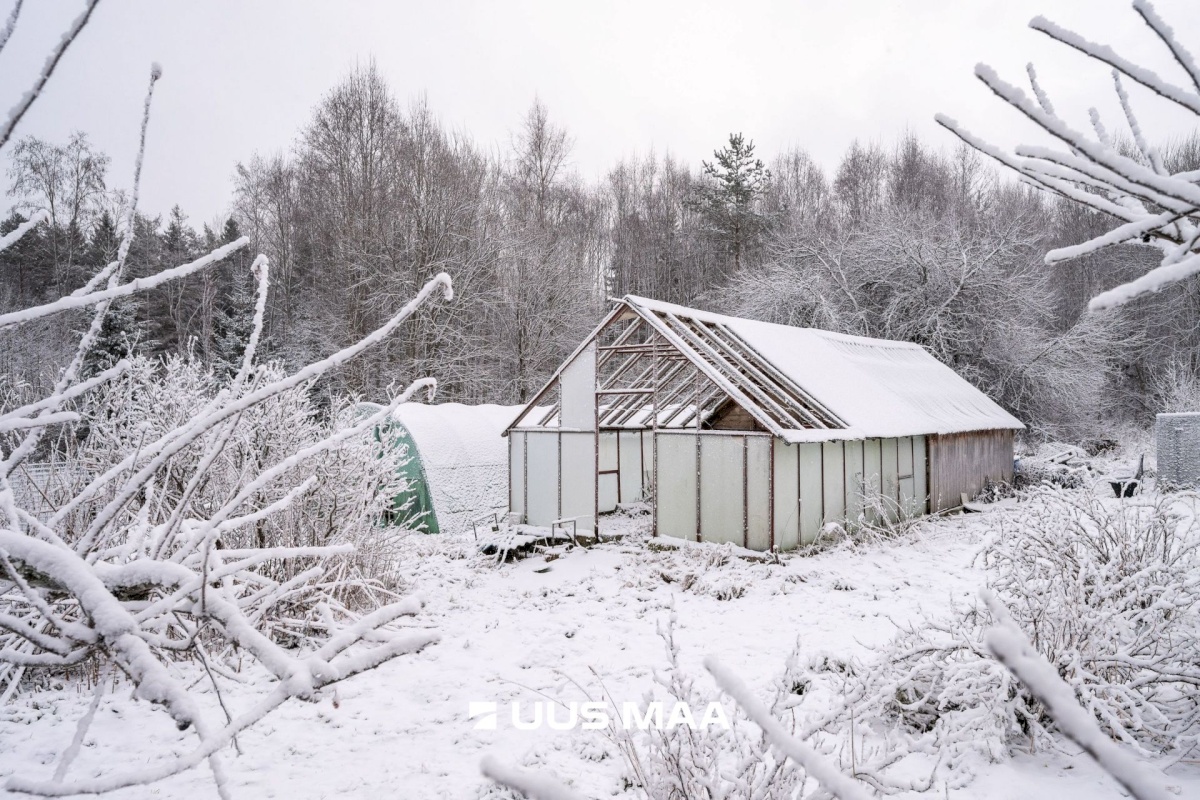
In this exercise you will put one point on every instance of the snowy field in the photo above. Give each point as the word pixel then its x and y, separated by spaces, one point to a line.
pixel 534 629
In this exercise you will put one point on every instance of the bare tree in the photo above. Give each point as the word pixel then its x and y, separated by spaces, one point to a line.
pixel 66 181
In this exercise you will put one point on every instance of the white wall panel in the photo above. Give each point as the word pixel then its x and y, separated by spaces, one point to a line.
pixel 607 497
pixel 812 503
pixel 920 480
pixel 608 451
pixel 904 478
pixel 608 476
pixel 648 461
pixel 720 488
pixel 516 473
pixel 676 499
pixel 854 481
pixel 577 386
pixel 542 473
pixel 579 478
pixel 758 492
pixel 872 476
pixel 834 482
pixel 889 459
pixel 787 501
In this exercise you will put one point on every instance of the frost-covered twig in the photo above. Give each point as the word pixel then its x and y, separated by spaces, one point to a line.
pixel 136 286
pixel 1153 205
pixel 531 785
pixel 1109 593
pixel 28 98
pixel 10 24
pixel 13 236
pixel 827 774
pixel 133 573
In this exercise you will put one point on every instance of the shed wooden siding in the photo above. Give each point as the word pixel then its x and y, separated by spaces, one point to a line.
pixel 732 417
pixel 961 463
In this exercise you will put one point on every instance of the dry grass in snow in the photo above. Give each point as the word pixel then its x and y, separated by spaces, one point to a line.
pixel 569 629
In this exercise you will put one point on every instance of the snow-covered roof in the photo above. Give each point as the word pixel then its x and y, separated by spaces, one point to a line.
pixel 804 384
pixel 451 435
pixel 877 388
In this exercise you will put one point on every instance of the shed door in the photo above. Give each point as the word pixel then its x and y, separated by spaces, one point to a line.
pixel 609 477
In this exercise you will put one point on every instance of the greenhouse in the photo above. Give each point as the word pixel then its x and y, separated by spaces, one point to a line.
pixel 455 462
pixel 751 433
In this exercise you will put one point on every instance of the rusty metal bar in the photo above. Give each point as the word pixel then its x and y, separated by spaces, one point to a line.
pixel 833 420
pixel 767 404
pixel 765 380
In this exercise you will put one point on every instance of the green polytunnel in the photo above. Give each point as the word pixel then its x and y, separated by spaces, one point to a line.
pixel 453 459
pixel 412 508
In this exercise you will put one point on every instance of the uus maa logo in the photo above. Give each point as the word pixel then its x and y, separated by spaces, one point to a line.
pixel 592 715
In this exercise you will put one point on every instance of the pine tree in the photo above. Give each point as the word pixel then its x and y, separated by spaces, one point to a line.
pixel 20 264
pixel 105 241
pixel 118 337
pixel 234 318
pixel 120 332
pixel 727 198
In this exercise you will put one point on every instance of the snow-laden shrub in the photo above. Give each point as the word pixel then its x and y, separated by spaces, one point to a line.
pixel 133 570
pixel 1177 388
pixel 708 762
pixel 1107 591
pixel 351 485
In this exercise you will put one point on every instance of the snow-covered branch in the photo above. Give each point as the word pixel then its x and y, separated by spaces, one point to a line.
pixel 11 23
pixel 11 238
pixel 1155 206
pixel 1011 646
pixel 136 286
pixel 148 596
pixel 196 520
pixel 834 781
pixel 529 784
pixel 28 98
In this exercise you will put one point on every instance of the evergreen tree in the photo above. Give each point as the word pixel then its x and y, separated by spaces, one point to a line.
pixel 172 309
pixel 22 267
pixel 234 318
pixel 727 198
pixel 119 337
pixel 105 241
pixel 120 332
pixel 230 233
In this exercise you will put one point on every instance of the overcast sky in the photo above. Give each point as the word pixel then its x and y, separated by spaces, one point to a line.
pixel 622 77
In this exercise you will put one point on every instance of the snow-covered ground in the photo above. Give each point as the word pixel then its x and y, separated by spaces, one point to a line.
pixel 535 629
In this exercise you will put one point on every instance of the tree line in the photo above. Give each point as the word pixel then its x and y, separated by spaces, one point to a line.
pixel 901 241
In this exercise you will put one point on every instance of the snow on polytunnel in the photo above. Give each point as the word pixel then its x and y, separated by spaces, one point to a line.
pixel 464 456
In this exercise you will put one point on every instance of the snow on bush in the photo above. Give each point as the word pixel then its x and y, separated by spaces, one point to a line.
pixel 351 488
pixel 1107 591
pixel 187 535
pixel 213 524
pixel 711 760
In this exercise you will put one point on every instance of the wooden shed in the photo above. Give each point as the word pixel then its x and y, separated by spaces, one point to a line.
pixel 747 432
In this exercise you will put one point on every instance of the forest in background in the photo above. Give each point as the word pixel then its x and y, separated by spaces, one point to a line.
pixel 906 240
